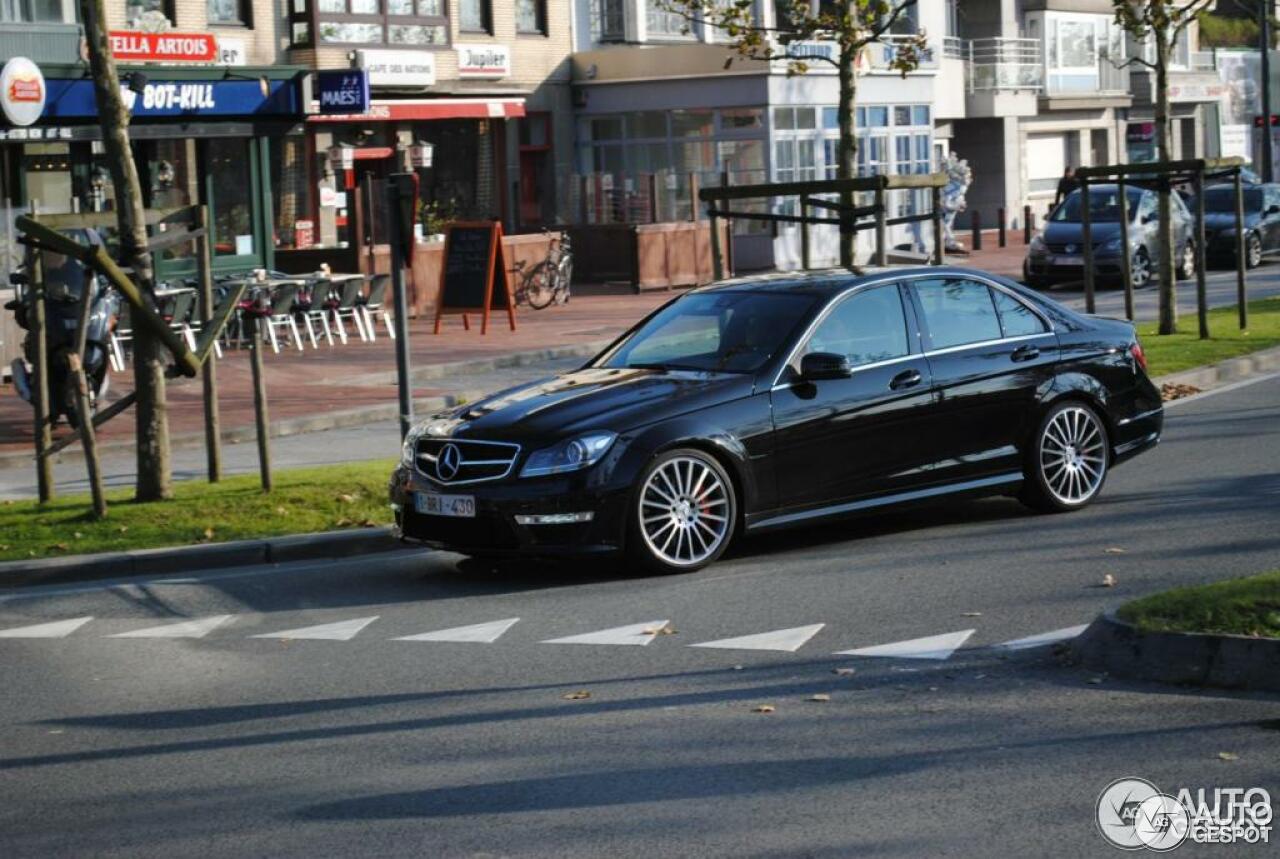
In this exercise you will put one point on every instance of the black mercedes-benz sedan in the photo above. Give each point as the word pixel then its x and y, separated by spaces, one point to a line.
pixel 775 401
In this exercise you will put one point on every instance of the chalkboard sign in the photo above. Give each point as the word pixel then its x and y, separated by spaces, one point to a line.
pixel 474 275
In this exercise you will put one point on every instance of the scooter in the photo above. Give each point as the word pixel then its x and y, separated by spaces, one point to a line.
pixel 65 280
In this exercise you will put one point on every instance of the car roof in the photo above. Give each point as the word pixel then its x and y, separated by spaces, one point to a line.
pixel 825 282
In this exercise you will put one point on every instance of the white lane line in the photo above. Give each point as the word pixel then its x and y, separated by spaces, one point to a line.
pixel 1043 638
pixel 479 633
pixel 343 630
pixel 1234 386
pixel 636 633
pixel 787 640
pixel 56 629
pixel 930 647
pixel 197 628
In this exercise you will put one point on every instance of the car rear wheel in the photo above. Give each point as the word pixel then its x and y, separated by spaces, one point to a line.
pixel 1140 268
pixel 1253 251
pixel 1066 463
pixel 683 513
pixel 1187 262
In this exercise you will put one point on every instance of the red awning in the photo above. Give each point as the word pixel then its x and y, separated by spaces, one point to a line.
pixel 384 110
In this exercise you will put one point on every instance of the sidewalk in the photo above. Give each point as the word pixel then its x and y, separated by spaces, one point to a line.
pixel 356 383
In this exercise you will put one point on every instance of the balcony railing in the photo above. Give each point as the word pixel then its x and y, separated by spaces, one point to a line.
pixel 954 48
pixel 1203 61
pixel 1005 64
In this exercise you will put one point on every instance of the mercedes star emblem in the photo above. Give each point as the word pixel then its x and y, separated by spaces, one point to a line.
pixel 449 461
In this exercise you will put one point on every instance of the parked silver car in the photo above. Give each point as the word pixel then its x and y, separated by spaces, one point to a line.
pixel 1056 254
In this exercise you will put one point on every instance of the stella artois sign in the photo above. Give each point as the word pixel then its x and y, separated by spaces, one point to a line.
pixel 134 46
pixel 22 91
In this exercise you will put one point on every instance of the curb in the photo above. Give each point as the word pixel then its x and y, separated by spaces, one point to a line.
pixel 1179 658
pixel 1224 372
pixel 182 559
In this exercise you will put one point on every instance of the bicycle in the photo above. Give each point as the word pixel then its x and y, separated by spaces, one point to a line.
pixel 549 280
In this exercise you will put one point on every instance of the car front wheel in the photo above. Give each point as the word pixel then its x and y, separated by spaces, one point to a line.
pixel 1140 268
pixel 1253 251
pixel 1066 462
pixel 683 513
pixel 1187 262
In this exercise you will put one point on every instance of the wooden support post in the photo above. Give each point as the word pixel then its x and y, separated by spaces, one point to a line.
pixel 1126 257
pixel 99 419
pixel 717 265
pixel 1202 293
pixel 260 403
pixel 582 199
pixel 1028 224
pixel 975 225
pixel 208 368
pixel 1000 225
pixel 1241 260
pixel 40 391
pixel 804 232
pixel 84 409
pixel 1086 221
pixel 939 240
pixel 694 214
pixel 653 197
pixel 882 229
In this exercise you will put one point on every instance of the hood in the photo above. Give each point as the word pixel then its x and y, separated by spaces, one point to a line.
pixel 590 399
pixel 1063 232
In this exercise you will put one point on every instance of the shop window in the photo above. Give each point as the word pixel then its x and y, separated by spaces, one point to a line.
pixel 692 123
pixel 170 181
pixel 475 16
pixel 47 168
pixel 292 192
pixel 34 12
pixel 230 197
pixel 531 17
pixel 236 13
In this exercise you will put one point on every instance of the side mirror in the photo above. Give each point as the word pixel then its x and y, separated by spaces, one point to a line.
pixel 824 365
pixel 1273 209
pixel 1150 217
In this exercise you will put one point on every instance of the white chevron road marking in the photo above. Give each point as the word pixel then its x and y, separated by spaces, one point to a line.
pixel 55 629
pixel 197 628
pixel 787 640
pixel 479 633
pixel 1043 638
pixel 636 634
pixel 343 630
pixel 930 647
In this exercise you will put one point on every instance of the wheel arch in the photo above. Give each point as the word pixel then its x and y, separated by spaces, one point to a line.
pixel 726 448
pixel 1079 387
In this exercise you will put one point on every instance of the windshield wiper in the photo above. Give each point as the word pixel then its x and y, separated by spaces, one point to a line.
pixel 649 366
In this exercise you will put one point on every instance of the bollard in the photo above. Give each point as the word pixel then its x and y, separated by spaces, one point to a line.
pixel 1002 240
pixel 1027 224
pixel 975 221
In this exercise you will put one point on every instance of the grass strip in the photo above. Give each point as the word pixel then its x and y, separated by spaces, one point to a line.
pixel 1248 606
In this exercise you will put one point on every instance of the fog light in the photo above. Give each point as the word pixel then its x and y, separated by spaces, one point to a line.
pixel 555 518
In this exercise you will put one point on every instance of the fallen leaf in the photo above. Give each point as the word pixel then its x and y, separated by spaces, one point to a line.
pixel 1114 550
pixel 280 511
pixel 343 523
pixel 820 697
pixel 933 688
pixel 1108 581
pixel 345 498
pixel 208 533
pixel 58 547
pixel 124 529
pixel 59 731
pixel 580 695
pixel 1228 756
pixel 844 672
pixel 763 708
pixel 1095 681
pixel 368 523
pixel 1171 391
pixel 737 668
pixel 4 547
pixel 972 614
pixel 76 535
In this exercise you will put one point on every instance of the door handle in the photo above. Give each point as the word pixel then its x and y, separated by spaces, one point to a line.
pixel 906 379
pixel 1025 353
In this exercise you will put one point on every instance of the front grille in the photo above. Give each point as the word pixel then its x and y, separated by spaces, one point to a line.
pixel 1076 247
pixel 453 461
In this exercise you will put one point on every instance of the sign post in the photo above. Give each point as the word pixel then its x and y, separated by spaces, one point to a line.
pixel 402 207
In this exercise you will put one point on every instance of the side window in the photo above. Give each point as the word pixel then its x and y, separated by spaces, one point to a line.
pixel 957 311
pixel 867 327
pixel 1272 197
pixel 1016 318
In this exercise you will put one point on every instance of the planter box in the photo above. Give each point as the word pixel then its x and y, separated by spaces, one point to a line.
pixel 648 256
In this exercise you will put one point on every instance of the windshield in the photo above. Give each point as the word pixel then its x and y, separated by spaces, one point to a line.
pixel 1104 205
pixel 1224 199
pixel 722 331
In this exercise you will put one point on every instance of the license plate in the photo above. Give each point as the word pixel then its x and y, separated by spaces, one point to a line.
pixel 434 504
pixel 1068 260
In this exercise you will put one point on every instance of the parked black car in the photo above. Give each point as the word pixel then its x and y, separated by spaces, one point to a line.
pixel 1261 223
pixel 1056 255
pixel 774 401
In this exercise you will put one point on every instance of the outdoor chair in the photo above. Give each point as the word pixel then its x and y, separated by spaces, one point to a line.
pixel 178 314
pixel 318 308
pixel 122 334
pixel 373 304
pixel 282 300
pixel 346 306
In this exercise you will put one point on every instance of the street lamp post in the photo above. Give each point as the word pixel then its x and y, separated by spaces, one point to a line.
pixel 1264 38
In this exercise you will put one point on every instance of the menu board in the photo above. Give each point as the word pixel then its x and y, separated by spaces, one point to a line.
pixel 473 278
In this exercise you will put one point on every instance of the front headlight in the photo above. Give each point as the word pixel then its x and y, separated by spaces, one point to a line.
pixel 409 451
pixel 1037 245
pixel 1111 246
pixel 569 455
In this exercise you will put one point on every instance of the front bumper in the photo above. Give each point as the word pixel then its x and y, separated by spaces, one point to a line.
pixel 1046 268
pixel 494 529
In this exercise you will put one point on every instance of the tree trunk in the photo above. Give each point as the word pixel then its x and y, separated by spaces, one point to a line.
pixel 1168 295
pixel 148 354
pixel 847 157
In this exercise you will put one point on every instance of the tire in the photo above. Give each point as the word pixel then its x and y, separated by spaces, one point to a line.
pixel 566 279
pixel 1140 268
pixel 1252 251
pixel 1066 463
pixel 1187 262
pixel 538 289
pixel 682 515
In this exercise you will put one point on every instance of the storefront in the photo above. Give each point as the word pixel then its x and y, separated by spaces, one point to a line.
pixel 200 135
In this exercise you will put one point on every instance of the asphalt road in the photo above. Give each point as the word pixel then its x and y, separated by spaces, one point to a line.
pixel 382 438
pixel 343 741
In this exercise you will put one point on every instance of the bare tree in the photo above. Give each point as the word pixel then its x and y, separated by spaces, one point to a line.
pixel 1161 21
pixel 850 26
pixel 151 410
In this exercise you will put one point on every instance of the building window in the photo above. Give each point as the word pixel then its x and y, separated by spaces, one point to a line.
pixel 531 17
pixel 474 16
pixel 138 13
pixel 233 12
pixel 370 22
pixel 33 11
pixel 662 24
pixel 609 20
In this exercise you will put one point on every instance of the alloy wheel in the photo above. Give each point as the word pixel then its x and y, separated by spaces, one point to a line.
pixel 1188 260
pixel 1073 455
pixel 1140 269
pixel 1253 251
pixel 684 511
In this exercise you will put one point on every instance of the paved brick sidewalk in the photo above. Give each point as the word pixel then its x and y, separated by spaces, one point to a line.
pixel 359 376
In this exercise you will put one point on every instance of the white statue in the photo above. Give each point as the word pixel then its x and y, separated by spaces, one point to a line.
pixel 959 178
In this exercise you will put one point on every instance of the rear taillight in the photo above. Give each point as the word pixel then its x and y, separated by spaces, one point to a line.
pixel 1139 357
